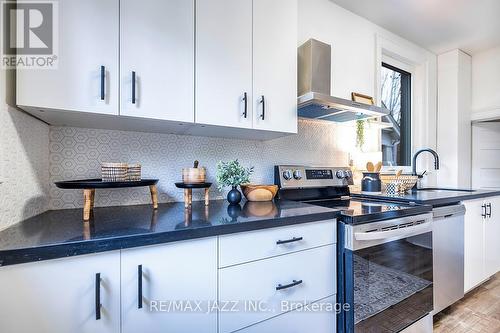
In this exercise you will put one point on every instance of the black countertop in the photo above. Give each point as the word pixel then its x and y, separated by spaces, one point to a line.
pixel 62 233
pixel 434 198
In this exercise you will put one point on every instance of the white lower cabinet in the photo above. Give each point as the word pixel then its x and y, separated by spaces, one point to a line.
pixel 274 242
pixel 175 287
pixel 481 245
pixel 318 317
pixel 174 278
pixel 275 285
pixel 473 243
pixel 492 234
pixel 60 296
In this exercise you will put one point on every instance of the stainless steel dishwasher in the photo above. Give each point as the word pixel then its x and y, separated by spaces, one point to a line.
pixel 448 255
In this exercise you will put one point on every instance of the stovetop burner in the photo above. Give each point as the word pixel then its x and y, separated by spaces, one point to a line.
pixel 329 187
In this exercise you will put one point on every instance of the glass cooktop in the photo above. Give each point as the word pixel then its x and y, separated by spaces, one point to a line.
pixel 357 211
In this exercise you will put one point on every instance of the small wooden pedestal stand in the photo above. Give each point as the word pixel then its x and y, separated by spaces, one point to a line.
pixel 188 192
pixel 90 185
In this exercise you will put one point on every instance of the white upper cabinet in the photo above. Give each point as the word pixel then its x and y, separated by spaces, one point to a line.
pixel 275 65
pixel 222 67
pixel 87 75
pixel 157 54
pixel 62 296
pixel 224 63
pixel 155 277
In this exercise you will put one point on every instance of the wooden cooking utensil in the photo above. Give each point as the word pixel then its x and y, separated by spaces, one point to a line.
pixel 399 173
pixel 378 167
pixel 369 167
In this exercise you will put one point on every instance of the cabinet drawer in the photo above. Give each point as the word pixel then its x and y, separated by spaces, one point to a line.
pixel 319 320
pixel 255 245
pixel 266 281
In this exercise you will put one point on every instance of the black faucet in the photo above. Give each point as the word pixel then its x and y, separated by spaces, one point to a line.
pixel 414 161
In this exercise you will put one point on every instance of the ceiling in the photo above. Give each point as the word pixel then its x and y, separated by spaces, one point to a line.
pixel 437 25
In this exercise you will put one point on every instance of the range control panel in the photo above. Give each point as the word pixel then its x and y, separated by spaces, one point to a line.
pixel 297 176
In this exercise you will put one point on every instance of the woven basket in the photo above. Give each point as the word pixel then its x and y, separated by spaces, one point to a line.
pixel 114 172
pixel 405 182
pixel 134 172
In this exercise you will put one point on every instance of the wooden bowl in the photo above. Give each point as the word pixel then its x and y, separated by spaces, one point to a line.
pixel 259 192
pixel 260 209
pixel 193 175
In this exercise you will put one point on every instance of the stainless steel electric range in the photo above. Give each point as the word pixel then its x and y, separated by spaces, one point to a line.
pixel 384 252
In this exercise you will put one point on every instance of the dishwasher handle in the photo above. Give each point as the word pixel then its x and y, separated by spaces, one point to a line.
pixel 448 211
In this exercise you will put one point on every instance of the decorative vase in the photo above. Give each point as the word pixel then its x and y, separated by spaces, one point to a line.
pixel 234 196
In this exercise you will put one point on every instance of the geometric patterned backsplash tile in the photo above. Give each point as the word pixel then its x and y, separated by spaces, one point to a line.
pixel 76 153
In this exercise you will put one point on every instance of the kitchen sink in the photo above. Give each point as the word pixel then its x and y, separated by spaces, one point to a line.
pixel 440 190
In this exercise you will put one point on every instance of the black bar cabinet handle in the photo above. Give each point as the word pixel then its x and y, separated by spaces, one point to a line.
pixel 133 87
pixel 489 209
pixel 290 285
pixel 294 239
pixel 484 211
pixel 139 287
pixel 98 296
pixel 245 99
pixel 263 101
pixel 103 78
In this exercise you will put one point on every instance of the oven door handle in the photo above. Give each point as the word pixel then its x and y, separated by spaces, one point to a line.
pixel 396 233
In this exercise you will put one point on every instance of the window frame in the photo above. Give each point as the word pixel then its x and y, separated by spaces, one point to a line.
pixel 406 113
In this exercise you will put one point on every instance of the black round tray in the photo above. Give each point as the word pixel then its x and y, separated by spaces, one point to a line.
pixel 98 183
pixel 197 185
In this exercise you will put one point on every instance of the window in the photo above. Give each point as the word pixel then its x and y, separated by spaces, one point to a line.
pixel 396 97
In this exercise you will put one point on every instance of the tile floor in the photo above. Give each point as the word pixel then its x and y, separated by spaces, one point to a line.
pixel 477 312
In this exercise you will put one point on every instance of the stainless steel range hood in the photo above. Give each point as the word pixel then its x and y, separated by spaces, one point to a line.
pixel 314 88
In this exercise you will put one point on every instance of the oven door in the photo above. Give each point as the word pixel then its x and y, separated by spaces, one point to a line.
pixel 388 274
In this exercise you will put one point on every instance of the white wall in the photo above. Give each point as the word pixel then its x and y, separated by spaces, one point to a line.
pixel 454 108
pixel 24 163
pixel 357 48
pixel 486 81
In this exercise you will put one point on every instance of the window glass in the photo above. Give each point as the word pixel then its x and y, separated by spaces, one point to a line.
pixel 396 97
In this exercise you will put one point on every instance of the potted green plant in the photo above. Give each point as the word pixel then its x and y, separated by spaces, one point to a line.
pixel 232 174
pixel 360 133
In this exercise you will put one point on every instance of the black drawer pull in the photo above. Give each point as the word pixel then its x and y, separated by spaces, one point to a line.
pixel 294 239
pixel 290 285
pixel 139 287
pixel 489 210
pixel 245 99
pixel 484 214
pixel 133 87
pixel 263 102
pixel 98 296
pixel 103 78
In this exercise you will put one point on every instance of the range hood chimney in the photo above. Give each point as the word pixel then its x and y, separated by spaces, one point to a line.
pixel 314 88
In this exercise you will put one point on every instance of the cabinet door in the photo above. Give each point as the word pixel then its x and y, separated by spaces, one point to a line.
pixel 309 274
pixel 224 62
pixel 88 39
pixel 176 273
pixel 59 296
pixel 492 233
pixel 275 65
pixel 318 318
pixel 474 272
pixel 157 46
